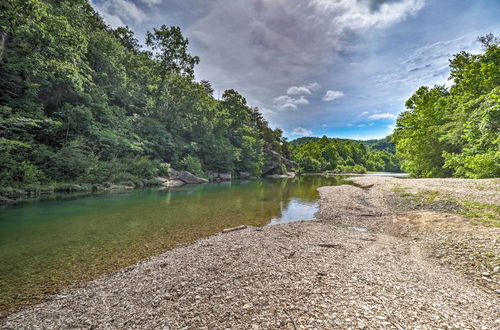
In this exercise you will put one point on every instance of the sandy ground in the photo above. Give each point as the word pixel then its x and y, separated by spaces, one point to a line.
pixel 362 266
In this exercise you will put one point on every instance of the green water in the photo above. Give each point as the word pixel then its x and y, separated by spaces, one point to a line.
pixel 49 245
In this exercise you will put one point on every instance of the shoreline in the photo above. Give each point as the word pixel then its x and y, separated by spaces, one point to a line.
pixel 301 273
pixel 11 196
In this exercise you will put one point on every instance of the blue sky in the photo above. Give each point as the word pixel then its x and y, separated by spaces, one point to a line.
pixel 341 68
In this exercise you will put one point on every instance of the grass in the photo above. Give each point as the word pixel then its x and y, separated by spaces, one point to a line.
pixel 479 213
pixel 482 213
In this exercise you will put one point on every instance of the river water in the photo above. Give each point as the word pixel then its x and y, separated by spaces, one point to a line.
pixel 49 245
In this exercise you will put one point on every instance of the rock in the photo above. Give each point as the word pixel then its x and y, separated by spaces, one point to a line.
pixel 219 177
pixel 173 183
pixel 244 175
pixel 161 179
pixel 274 161
pixel 277 176
pixel 225 176
pixel 187 177
pixel 288 175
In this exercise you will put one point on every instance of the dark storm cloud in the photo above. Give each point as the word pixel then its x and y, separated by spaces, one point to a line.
pixel 374 5
pixel 262 48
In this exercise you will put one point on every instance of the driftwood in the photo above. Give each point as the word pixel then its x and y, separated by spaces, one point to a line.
pixel 326 245
pixel 227 230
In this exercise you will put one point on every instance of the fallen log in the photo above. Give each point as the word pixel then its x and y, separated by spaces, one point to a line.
pixel 335 246
pixel 227 230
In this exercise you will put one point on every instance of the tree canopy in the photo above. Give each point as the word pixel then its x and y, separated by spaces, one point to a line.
pixel 342 155
pixel 455 131
pixel 82 102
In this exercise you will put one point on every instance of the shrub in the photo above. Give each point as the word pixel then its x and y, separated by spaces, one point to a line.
pixel 193 165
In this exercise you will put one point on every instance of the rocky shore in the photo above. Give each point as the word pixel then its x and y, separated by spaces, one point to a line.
pixel 389 253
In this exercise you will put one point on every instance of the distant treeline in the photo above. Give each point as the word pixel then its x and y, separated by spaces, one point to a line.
pixel 455 131
pixel 315 154
pixel 81 102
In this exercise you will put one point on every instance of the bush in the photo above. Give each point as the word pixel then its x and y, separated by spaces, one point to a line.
pixel 143 167
pixel 193 165
pixel 69 187
pixel 351 169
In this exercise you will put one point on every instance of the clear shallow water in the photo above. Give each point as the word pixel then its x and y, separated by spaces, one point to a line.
pixel 296 209
pixel 49 245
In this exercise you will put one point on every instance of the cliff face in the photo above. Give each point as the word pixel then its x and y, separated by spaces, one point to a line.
pixel 274 161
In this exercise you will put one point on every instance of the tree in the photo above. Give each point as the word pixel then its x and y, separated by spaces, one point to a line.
pixel 455 132
pixel 171 54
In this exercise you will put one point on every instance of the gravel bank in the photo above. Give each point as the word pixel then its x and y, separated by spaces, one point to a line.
pixel 479 190
pixel 355 268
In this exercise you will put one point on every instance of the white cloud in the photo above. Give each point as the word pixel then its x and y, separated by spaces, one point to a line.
pixel 427 65
pixel 284 102
pixel 307 89
pixel 386 115
pixel 119 12
pixel 365 113
pixel 152 2
pixel 300 131
pixel 294 90
pixel 361 125
pixel 333 95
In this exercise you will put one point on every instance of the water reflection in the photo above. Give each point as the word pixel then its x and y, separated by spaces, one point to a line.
pixel 296 209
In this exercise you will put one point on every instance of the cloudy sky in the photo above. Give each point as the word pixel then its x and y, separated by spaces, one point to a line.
pixel 341 68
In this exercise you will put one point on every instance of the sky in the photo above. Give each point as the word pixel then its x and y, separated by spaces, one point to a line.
pixel 340 68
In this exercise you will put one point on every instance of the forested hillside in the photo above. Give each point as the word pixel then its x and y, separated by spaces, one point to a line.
pixel 455 131
pixel 81 102
pixel 343 155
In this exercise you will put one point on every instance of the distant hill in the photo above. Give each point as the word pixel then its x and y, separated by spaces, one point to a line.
pixel 304 140
pixel 382 144
pixel 376 144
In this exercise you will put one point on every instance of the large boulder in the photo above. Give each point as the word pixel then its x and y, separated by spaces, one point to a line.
pixel 219 177
pixel 225 176
pixel 273 162
pixel 173 183
pixel 244 175
pixel 288 175
pixel 187 177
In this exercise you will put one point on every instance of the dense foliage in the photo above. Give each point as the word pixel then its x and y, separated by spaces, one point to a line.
pixel 455 131
pixel 81 102
pixel 342 155
pixel 386 144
